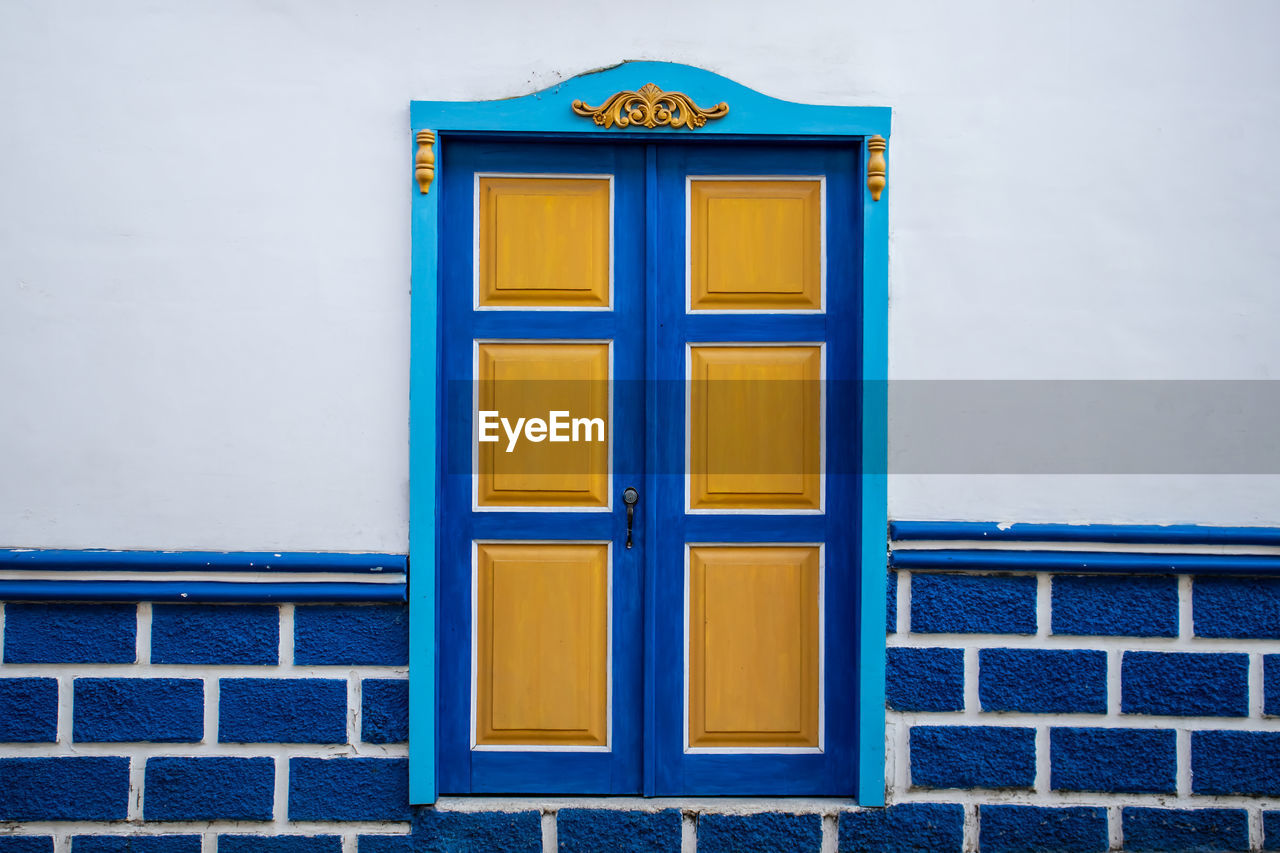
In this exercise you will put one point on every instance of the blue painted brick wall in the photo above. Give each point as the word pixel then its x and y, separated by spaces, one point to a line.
pixel 1129 760
pixel 1043 681
pixel 26 844
pixel 972 757
pixel 28 710
pixel 1016 829
pixel 1185 684
pixel 891 603
pixel 617 831
pixel 1236 607
pixel 279 844
pixel 351 634
pixel 135 844
pixel 209 788
pixel 384 844
pixel 1271 684
pixel 1096 605
pixel 925 679
pixel 72 788
pixel 1235 763
pixel 215 634
pixel 907 828
pixel 1271 830
pixel 768 832
pixel 973 604
pixel 477 832
pixel 1149 830
pixel 384 710
pixel 282 710
pixel 138 709
pixel 70 633
pixel 349 789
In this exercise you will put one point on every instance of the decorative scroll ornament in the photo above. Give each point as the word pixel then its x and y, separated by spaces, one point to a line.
pixel 424 164
pixel 875 166
pixel 650 107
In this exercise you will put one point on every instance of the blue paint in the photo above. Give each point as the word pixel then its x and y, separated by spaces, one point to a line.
pixel 1271 830
pixel 384 710
pixel 26 844
pixel 1228 762
pixel 965 604
pixel 1083 561
pixel 349 789
pixel 208 788
pixel 1236 608
pixel 1271 684
pixel 1185 684
pixel 384 844
pixel 135 844
pixel 28 710
pixel 215 634
pixel 476 832
pixel 972 757
pixel 1174 534
pixel 766 832
pixel 1043 681
pixel 52 560
pixel 891 603
pixel 1015 829
pixel 1136 761
pixel 69 633
pixel 907 828
pixel 1149 830
pixel 616 831
pixel 1102 605
pixel 279 844
pixel 197 591
pixel 376 635
pixel 72 788
pixel 125 710
pixel 925 679
pixel 282 710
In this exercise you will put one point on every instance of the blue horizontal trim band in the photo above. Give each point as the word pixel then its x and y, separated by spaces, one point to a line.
pixel 1151 534
pixel 1084 561
pixel 198 591
pixel 226 561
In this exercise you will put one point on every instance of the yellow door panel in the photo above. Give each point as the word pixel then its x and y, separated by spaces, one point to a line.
pixel 544 242
pixel 535 380
pixel 542 623
pixel 755 433
pixel 755 245
pixel 754 646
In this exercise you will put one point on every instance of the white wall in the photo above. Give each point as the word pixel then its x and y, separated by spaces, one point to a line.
pixel 204 240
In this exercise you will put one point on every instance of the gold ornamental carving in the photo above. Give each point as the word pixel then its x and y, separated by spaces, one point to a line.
pixel 424 164
pixel 650 107
pixel 875 166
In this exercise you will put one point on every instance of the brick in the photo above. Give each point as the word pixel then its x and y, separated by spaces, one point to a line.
pixel 384 710
pixel 385 844
pixel 119 710
pixel 891 603
pixel 1043 681
pixel 435 831
pixel 28 710
pixel 1271 830
pixel 209 788
pixel 924 679
pixel 26 844
pixel 1102 605
pixel 1185 684
pixel 1137 761
pixel 908 828
pixel 279 844
pixel 1271 684
pixel 135 844
pixel 1235 763
pixel 375 634
pixel 70 633
pixel 247 634
pixel 973 604
pixel 1174 830
pixel 617 831
pixel 74 788
pixel 349 789
pixel 1236 607
pixel 972 757
pixel 282 710
pixel 1014 829
pixel 764 832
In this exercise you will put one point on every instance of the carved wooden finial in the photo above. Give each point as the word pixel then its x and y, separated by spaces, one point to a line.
pixel 875 166
pixel 650 107
pixel 424 164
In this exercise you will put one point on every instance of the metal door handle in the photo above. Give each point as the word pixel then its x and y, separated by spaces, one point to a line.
pixel 630 497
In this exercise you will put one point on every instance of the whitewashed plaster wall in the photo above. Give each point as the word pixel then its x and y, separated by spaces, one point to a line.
pixel 204 239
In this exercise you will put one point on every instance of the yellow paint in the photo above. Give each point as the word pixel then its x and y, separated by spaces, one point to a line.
pixel 755 245
pixel 753 646
pixel 755 427
pixel 528 380
pixel 544 242
pixel 424 162
pixel 650 107
pixel 542 622
pixel 876 166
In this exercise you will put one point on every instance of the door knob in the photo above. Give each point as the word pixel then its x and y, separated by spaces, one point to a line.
pixel 630 497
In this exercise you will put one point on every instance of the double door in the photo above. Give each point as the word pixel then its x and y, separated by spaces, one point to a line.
pixel 649 507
